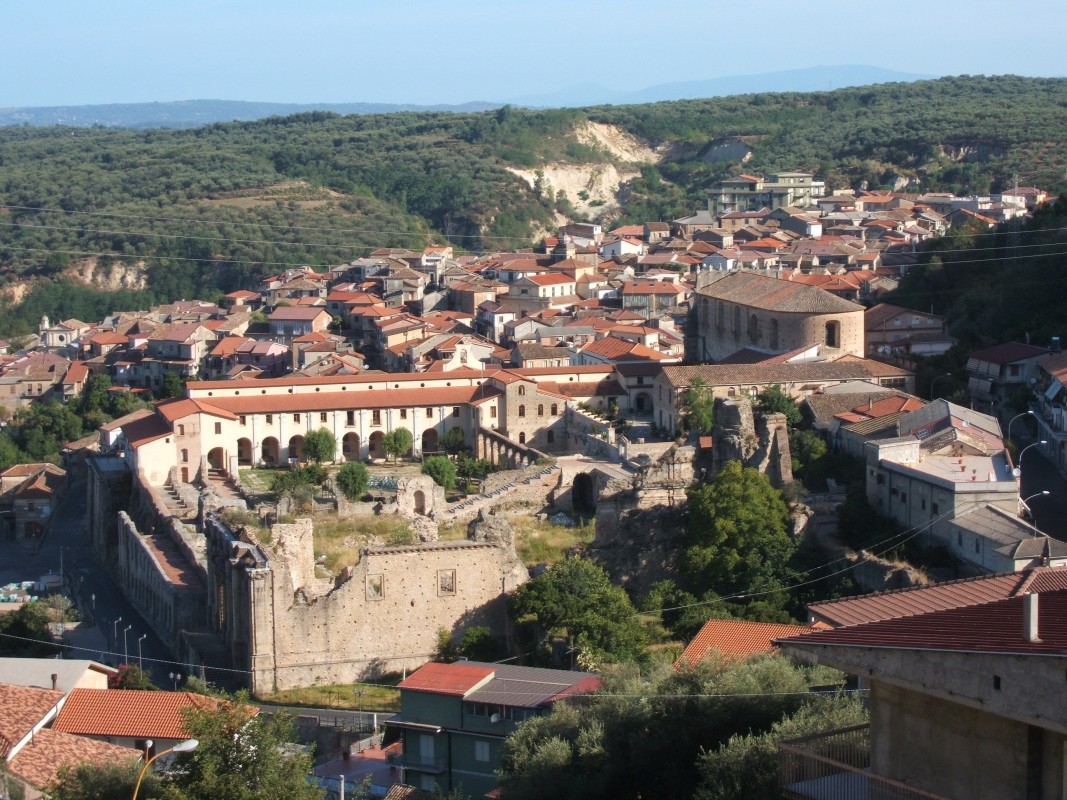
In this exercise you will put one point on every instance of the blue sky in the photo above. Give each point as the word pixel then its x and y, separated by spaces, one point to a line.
pixel 68 52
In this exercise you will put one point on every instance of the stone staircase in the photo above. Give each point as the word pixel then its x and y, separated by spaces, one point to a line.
pixel 470 507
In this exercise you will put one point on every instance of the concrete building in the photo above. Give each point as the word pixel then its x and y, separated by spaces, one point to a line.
pixel 751 193
pixel 453 718
pixel 966 698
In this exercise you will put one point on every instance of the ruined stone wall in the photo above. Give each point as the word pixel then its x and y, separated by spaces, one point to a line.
pixel 382 615
pixel 757 441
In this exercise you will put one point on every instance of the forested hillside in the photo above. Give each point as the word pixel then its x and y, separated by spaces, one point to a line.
pixel 177 213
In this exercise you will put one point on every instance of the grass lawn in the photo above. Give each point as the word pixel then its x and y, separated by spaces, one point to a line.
pixel 382 695
pixel 340 540
pixel 545 543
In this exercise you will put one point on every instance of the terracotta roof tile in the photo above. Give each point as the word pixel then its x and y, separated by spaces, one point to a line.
pixel 772 294
pixel 938 596
pixel 22 707
pixel 129 712
pixel 40 760
pixel 452 679
pixel 735 639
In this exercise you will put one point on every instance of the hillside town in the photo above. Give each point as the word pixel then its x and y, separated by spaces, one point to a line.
pixel 564 383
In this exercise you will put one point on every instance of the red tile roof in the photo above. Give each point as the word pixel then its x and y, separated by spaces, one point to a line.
pixel 453 679
pixel 994 627
pixel 39 762
pixel 22 707
pixel 129 712
pixel 938 596
pixel 734 639
pixel 1007 353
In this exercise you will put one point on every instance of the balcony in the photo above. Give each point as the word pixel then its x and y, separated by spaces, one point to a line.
pixel 421 763
pixel 835 765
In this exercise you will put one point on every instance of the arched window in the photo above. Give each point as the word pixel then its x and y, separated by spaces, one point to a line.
pixel 522 390
pixel 774 335
pixel 540 409
pixel 555 411
pixel 522 437
pixel 833 334
pixel 753 329
pixel 737 322
pixel 720 317
pixel 522 411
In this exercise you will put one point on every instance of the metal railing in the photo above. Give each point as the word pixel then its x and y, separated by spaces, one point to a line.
pixel 423 763
pixel 835 765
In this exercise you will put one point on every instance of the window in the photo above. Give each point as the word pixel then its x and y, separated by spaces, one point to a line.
pixel 429 413
pixel 296 418
pixel 481 751
pixel 270 419
pixel 540 409
pixel 522 411
pixel 403 413
pixel 522 437
pixel 903 497
pixel 322 416
pixel 218 427
pixel 375 587
pixel 550 437
pixel 181 430
pixel 243 420
pixel 555 410
pixel 455 411
pixel 933 508
pixel 350 418
pixel 185 456
pixel 492 412
pixel 959 539
pixel 376 417
pixel 522 390
pixel 880 480
pixel 977 545
pixel 446 582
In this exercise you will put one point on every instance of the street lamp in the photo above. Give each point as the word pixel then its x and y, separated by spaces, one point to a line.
pixel 125 647
pixel 1025 413
pixel 1033 517
pixel 933 384
pixel 1023 451
pixel 181 747
pixel 360 691
pixel 140 664
pixel 175 679
pixel 115 633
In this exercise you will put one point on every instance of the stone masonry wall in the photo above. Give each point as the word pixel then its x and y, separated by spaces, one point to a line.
pixel 382 615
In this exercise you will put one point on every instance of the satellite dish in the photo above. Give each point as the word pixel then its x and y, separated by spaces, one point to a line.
pixel 494 718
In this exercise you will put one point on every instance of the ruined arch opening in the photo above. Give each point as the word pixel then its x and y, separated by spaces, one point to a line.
pixel 583 494
pixel 350 447
pixel 269 450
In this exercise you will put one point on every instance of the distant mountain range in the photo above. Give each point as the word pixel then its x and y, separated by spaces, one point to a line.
pixel 194 113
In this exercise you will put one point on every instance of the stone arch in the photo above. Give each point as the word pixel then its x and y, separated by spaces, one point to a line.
pixel 833 333
pixel 296 447
pixel 583 494
pixel 377 445
pixel 350 446
pixel 269 450
pixel 244 452
pixel 643 403
pixel 216 458
pixel 430 441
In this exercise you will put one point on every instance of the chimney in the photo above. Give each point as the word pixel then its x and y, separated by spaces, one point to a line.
pixel 55 681
pixel 1030 618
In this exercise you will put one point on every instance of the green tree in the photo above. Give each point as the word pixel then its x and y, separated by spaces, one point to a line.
pixel 698 408
pixel 103 781
pixel 643 734
pixel 738 537
pixel 442 469
pixel 240 758
pixel 26 633
pixel 774 400
pixel 575 598
pixel 320 446
pixel 173 385
pixel 352 479
pixel 397 443
pixel 807 449
pixel 455 441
